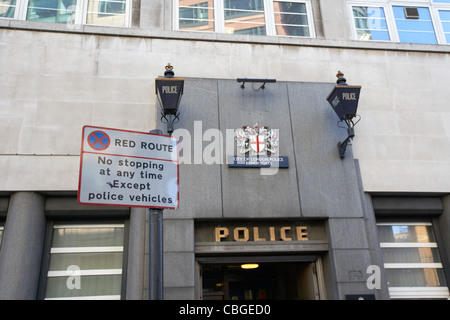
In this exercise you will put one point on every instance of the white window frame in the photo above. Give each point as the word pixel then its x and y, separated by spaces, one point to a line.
pixel 84 14
pixel 93 272
pixel 219 20
pixel 440 30
pixel 176 16
pixel 270 18
pixel 80 13
pixel 387 5
pixel 414 292
pixel 390 22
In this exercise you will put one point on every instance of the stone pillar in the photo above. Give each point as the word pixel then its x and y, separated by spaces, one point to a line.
pixel 22 247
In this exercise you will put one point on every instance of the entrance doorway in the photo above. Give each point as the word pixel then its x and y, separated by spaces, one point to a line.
pixel 262 279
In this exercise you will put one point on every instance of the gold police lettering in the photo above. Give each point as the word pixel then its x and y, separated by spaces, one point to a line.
pixel 243 234
pixel 169 89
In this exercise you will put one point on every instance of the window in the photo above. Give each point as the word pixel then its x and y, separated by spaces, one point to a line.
pixel 85 262
pixel 107 12
pixel 412 262
pixel 444 15
pixel 255 17
pixel 7 8
pixel 101 12
pixel 414 29
pixel 291 19
pixel 420 21
pixel 370 23
pixel 197 15
pixel 244 17
pixel 59 11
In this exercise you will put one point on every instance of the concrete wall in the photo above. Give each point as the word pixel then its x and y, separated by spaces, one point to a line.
pixel 317 184
pixel 55 79
pixel 54 83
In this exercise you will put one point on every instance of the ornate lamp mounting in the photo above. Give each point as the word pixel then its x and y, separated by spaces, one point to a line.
pixel 344 101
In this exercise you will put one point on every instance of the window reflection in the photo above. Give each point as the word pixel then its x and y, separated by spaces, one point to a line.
pixel 107 12
pixel 370 23
pixel 196 15
pixel 7 8
pixel 414 30
pixel 406 233
pixel 56 11
pixel 445 20
pixel 245 17
pixel 291 18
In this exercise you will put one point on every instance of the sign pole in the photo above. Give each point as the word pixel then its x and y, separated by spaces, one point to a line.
pixel 155 250
pixel 132 169
pixel 155 254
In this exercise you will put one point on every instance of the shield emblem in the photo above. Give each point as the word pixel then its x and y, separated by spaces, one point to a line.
pixel 257 142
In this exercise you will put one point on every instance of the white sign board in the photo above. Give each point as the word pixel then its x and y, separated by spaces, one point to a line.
pixel 128 168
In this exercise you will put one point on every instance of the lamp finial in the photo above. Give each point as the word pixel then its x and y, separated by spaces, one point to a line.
pixel 341 80
pixel 169 71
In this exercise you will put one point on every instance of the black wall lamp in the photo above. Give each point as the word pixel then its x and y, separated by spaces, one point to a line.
pixel 344 101
pixel 263 81
pixel 169 91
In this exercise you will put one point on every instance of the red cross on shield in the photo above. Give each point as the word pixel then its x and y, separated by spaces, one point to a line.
pixel 257 142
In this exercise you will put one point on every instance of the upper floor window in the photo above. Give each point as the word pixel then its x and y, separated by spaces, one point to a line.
pixel 419 21
pixel 370 23
pixel 256 17
pixel 7 8
pixel 100 12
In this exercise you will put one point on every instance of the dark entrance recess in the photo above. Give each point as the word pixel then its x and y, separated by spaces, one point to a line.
pixel 269 281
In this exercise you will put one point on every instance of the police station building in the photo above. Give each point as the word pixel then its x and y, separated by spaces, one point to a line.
pixel 313 149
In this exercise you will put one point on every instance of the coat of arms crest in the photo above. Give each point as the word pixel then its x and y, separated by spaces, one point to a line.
pixel 257 140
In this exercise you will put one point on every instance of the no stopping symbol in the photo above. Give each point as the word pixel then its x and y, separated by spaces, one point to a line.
pixel 98 140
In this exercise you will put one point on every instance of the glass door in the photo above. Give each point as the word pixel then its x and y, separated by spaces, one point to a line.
pixel 266 279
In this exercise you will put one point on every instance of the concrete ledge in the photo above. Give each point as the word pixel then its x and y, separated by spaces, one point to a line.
pixel 219 37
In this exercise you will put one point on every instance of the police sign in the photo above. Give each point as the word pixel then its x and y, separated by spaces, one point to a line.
pixel 344 100
pixel 128 168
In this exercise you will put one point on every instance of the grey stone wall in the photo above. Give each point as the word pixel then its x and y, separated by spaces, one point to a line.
pixel 317 184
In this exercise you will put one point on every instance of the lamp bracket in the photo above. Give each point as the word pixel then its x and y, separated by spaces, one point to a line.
pixel 342 146
pixel 170 119
pixel 350 123
pixel 263 81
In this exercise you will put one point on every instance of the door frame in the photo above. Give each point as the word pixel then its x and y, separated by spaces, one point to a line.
pixel 319 283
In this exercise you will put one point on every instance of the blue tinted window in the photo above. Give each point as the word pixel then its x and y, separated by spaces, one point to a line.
pixel 445 20
pixel 7 8
pixel 414 30
pixel 370 23
pixel 58 11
